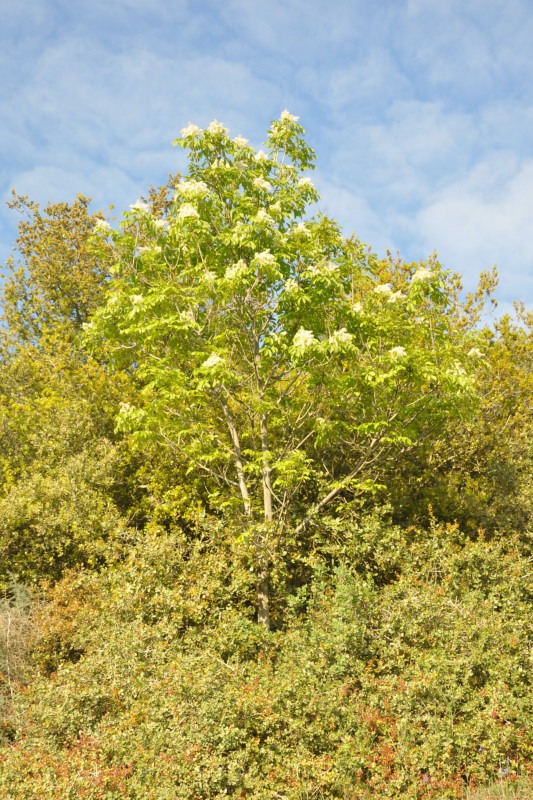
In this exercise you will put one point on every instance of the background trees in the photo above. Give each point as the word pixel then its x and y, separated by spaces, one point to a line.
pixel 61 467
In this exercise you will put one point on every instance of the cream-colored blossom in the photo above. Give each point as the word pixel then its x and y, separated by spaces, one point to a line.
pixel 422 275
pixel 161 223
pixel 236 270
pixel 213 361
pixel 264 258
pixel 475 352
pixel 395 296
pixel 263 216
pixel 303 339
pixel 191 189
pixel 275 207
pixel 187 211
pixel 218 163
pixel 357 307
pixel 287 117
pixel 152 248
pixel 187 317
pixel 456 371
pixel 240 141
pixel 398 352
pixel 383 288
pixel 340 337
pixel 216 127
pixel 301 227
pixel 190 130
pixel 260 156
pixel 101 226
pixel 291 285
pixel 140 206
pixel 262 183
pixel 303 182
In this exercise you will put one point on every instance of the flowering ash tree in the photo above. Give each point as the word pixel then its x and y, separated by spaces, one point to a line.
pixel 272 357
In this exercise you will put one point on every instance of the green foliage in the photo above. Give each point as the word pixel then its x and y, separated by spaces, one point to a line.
pixel 480 473
pixel 61 467
pixel 272 355
pixel 157 683
pixel 201 413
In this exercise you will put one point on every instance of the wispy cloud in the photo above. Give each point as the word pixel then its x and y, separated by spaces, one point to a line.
pixel 421 113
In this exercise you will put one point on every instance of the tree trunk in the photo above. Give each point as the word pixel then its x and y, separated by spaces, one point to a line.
pixel 238 460
pixel 263 589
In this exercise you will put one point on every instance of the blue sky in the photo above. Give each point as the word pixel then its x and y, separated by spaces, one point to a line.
pixel 420 111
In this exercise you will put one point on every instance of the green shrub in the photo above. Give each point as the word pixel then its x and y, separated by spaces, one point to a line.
pixel 407 682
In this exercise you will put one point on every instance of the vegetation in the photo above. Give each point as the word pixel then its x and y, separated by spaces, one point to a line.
pixel 265 504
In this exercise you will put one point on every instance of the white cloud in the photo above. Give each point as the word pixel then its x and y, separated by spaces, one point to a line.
pixel 484 219
pixel 420 112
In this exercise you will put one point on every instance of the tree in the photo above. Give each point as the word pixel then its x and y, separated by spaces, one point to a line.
pixel 480 473
pixel 271 355
pixel 62 468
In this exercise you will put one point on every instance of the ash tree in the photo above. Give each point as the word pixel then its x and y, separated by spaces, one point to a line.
pixel 273 354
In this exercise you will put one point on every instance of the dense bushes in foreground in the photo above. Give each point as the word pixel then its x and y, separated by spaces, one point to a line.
pixel 152 687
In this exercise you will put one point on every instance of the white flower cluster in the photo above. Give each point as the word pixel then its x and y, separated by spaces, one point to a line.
pixel 240 141
pixel 395 296
pixel 287 117
pixel 218 163
pixel 264 217
pixel 101 226
pixel 302 228
pixel 260 156
pixel 161 224
pixel 422 275
pixel 398 352
pixel 357 307
pixel 217 127
pixel 187 211
pixel 262 183
pixel 291 285
pixel 340 337
pixel 383 288
pixel 191 189
pixel 236 270
pixel 264 259
pixel 188 317
pixel 475 352
pixel 322 267
pixel 457 371
pixel 190 130
pixel 305 182
pixel 140 206
pixel 149 249
pixel 213 361
pixel 303 339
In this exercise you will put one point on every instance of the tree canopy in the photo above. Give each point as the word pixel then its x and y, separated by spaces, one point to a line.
pixel 273 354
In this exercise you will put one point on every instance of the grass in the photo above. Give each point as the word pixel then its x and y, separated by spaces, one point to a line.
pixel 504 790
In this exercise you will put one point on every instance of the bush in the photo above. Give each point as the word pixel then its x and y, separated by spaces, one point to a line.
pixel 161 686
